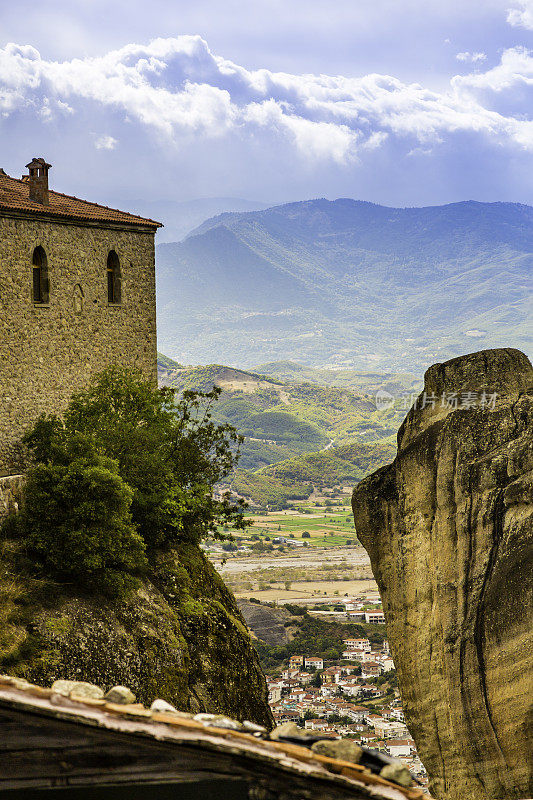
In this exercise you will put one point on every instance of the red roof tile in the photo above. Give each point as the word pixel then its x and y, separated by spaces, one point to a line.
pixel 14 197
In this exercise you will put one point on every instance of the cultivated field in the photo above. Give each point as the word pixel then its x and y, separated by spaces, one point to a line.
pixel 303 591
pixel 330 562
pixel 327 526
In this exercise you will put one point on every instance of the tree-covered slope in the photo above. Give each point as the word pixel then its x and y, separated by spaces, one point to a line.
pixel 298 435
pixel 348 283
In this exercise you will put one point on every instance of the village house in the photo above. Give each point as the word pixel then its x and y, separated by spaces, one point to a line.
pixel 284 716
pixel 297 695
pixel 397 713
pixel 316 724
pixel 371 669
pixel 374 617
pixel 400 747
pixel 274 694
pixel 390 730
pixel 329 689
pixel 366 656
pixel 350 686
pixel 290 674
pixel 331 675
pixel 369 689
pixel 77 293
pixel 313 661
pixel 357 644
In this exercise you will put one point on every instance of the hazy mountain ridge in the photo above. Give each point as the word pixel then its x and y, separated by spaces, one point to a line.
pixel 181 217
pixel 348 283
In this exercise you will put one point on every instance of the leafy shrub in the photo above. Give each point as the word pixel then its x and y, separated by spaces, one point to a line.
pixel 296 611
pixel 171 455
pixel 126 471
pixel 76 522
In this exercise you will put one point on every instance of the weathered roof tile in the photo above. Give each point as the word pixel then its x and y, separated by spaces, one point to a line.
pixel 14 197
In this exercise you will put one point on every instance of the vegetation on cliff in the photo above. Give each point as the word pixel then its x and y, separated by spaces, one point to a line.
pixel 179 635
pixel 126 471
pixel 101 574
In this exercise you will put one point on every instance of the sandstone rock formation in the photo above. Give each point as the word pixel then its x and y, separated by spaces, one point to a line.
pixel 449 530
pixel 180 636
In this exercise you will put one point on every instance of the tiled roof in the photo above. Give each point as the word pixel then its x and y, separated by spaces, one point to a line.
pixel 14 197
pixel 176 728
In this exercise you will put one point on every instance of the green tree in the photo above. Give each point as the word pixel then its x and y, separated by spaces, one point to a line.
pixel 76 522
pixel 172 454
pixel 316 680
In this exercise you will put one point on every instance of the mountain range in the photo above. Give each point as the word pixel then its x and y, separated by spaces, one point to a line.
pixel 348 284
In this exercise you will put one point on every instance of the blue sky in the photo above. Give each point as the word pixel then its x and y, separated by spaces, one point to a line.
pixel 401 102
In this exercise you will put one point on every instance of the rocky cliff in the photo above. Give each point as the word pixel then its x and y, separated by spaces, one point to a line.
pixel 180 636
pixel 449 530
pixel 267 624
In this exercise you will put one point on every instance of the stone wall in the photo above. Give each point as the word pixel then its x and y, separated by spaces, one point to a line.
pixel 49 351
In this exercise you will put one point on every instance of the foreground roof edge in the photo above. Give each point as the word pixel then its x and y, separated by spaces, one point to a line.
pixel 180 730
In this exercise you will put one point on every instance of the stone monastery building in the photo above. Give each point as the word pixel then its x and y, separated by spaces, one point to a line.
pixel 77 293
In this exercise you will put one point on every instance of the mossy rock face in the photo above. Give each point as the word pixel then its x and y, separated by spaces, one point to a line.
pixel 180 636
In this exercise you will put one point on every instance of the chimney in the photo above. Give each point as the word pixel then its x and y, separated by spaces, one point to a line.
pixel 38 180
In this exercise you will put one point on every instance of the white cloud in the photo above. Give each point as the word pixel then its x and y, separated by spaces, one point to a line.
pixel 177 88
pixel 105 143
pixel 521 17
pixel 513 73
pixel 472 58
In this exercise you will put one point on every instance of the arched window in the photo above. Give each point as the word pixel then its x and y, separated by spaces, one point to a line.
pixel 113 278
pixel 41 291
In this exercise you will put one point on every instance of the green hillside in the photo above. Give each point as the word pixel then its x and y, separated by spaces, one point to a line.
pixel 268 491
pixel 295 478
pixel 349 463
pixel 297 435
